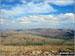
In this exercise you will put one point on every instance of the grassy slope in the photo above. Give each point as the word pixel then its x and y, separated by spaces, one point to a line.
pixel 16 38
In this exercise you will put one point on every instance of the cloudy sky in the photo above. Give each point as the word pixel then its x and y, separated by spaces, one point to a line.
pixel 21 14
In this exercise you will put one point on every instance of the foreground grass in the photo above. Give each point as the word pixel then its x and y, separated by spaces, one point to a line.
pixel 33 50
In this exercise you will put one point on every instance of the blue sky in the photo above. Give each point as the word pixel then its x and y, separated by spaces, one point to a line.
pixel 21 14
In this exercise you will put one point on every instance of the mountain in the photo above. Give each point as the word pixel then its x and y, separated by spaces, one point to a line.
pixel 40 36
pixel 51 33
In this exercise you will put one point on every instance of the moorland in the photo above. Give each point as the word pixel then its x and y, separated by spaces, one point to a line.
pixel 38 41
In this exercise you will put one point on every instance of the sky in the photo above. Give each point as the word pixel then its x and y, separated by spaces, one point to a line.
pixel 24 14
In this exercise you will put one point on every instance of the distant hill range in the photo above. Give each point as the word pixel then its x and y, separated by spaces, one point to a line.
pixel 51 33
pixel 39 36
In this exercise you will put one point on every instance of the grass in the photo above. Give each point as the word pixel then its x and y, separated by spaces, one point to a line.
pixel 20 39
pixel 15 43
pixel 28 39
pixel 28 50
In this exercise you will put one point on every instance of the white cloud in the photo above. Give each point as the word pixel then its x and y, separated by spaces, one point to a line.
pixel 41 21
pixel 61 2
pixel 14 12
pixel 7 22
pixel 28 8
pixel 13 21
pixel 56 2
pixel 23 19
pixel 25 22
pixel 32 8
pixel 1 21
pixel 4 22
pixel 66 15
pixel 48 19
pixel 31 18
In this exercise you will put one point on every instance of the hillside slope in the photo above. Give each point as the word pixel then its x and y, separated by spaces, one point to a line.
pixel 19 38
pixel 66 34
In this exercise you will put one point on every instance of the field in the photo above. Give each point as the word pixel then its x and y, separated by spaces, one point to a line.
pixel 36 42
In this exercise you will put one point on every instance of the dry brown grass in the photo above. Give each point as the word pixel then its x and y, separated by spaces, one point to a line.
pixel 14 43
pixel 28 39
pixel 29 50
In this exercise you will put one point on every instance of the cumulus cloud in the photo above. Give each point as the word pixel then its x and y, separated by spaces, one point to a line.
pixel 48 19
pixel 32 8
pixel 42 19
pixel 33 21
pixel 67 16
